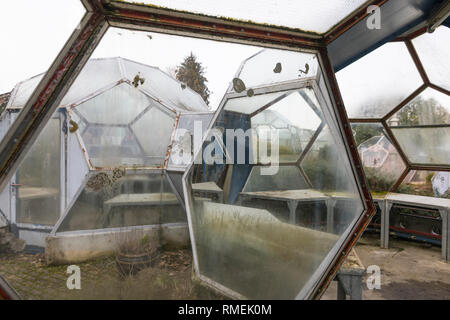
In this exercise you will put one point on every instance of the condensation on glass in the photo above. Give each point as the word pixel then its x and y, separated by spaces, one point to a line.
pixel 379 81
pixel 283 214
pixel 426 183
pixel 318 16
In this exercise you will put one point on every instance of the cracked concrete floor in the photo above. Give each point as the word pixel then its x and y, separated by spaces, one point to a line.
pixel 409 270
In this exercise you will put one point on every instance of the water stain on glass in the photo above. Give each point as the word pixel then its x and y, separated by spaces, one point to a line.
pixel 183 86
pixel 304 71
pixel 250 92
pixel 238 85
pixel 278 68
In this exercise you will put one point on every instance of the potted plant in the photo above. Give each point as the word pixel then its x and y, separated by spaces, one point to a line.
pixel 134 253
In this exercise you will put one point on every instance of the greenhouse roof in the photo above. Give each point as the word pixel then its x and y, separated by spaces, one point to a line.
pixel 93 79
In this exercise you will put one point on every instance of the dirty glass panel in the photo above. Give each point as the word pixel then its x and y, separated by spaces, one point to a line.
pixel 184 146
pixel 318 16
pixel 23 91
pixel 426 183
pixel 38 191
pixel 96 75
pixel 273 227
pixel 114 127
pixel 275 66
pixel 290 121
pixel 109 108
pixel 431 107
pixel 382 163
pixel 144 56
pixel 425 144
pixel 114 200
pixel 324 164
pixel 162 85
pixel 433 50
pixel 154 131
pixel 112 146
pixel 248 105
pixel 378 82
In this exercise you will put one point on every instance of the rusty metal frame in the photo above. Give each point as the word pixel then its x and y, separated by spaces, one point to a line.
pixel 369 207
pixel 408 41
pixel 104 13
pixel 353 19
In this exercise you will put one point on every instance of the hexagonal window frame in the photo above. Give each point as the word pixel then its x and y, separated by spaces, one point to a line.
pixel 102 14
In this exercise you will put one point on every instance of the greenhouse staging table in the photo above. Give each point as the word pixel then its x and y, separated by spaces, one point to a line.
pixel 138 199
pixel 208 188
pixel 293 198
pixel 440 204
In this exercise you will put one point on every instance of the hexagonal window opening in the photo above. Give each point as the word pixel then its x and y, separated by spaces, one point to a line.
pixel 246 244
pixel 108 169
pixel 382 162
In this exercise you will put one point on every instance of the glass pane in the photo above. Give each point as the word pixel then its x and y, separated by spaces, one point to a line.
pixel 249 105
pixel 382 163
pixel 287 178
pixel 433 50
pixel 112 146
pixel 325 165
pixel 278 66
pixel 164 87
pixel 183 146
pixel 428 108
pixel 117 106
pixel 131 200
pixel 31 44
pixel 318 16
pixel 23 92
pixel 425 145
pixel 38 190
pixel 291 121
pixel 97 74
pixel 154 132
pixel 426 183
pixel 145 54
pixel 378 82
pixel 275 227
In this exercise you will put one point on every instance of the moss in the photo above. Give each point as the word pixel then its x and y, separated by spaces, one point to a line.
pixel 149 5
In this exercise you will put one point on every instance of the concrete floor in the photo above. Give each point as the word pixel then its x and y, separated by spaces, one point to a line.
pixel 409 270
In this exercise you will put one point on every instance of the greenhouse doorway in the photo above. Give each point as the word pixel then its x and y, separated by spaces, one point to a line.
pixel 37 189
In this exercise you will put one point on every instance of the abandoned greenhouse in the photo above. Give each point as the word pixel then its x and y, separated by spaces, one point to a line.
pixel 247 148
pixel 107 158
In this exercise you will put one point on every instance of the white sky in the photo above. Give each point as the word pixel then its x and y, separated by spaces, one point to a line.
pixel 32 32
